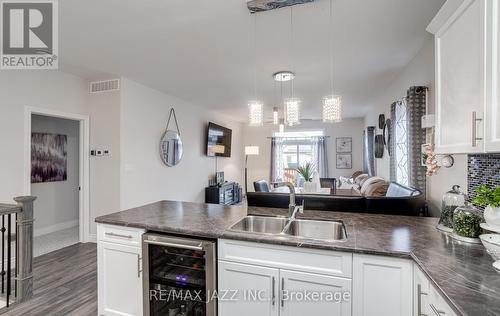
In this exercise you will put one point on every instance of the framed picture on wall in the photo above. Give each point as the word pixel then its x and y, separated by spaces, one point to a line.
pixel 344 161
pixel 344 144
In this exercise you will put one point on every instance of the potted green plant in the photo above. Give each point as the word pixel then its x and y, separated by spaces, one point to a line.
pixel 489 197
pixel 307 171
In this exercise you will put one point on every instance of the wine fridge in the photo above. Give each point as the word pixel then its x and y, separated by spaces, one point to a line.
pixel 179 276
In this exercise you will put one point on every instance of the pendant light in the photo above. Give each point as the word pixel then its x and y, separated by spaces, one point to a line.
pixel 332 104
pixel 255 107
pixel 275 116
pixel 292 104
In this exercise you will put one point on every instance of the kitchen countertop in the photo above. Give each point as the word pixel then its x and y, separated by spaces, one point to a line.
pixel 462 272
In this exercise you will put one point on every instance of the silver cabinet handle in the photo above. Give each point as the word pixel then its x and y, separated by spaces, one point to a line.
pixel 282 292
pixel 273 298
pixel 475 120
pixel 139 266
pixel 119 235
pixel 174 245
pixel 419 300
pixel 436 311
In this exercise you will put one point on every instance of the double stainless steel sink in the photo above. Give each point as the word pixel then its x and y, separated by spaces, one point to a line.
pixel 311 229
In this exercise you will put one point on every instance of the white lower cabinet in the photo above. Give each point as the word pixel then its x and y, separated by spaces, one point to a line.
pixel 238 282
pixel 427 300
pixel 295 285
pixel 382 286
pixel 119 272
pixel 288 288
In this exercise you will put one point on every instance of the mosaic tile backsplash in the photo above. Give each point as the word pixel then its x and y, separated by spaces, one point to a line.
pixel 484 168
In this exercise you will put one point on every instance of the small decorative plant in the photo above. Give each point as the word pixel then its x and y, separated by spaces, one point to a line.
pixel 487 196
pixel 307 171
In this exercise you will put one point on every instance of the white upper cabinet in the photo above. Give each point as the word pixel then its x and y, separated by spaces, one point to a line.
pixel 467 116
pixel 492 119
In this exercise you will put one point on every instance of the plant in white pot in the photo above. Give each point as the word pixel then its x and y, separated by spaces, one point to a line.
pixel 307 171
pixel 489 197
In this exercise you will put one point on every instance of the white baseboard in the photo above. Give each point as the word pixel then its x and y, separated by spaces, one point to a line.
pixel 92 238
pixel 53 228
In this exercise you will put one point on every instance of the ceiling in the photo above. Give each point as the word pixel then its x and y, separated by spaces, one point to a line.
pixel 204 52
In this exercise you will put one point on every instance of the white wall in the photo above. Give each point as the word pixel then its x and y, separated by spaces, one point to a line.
pixel 104 110
pixel 144 178
pixel 259 166
pixel 45 89
pixel 419 72
pixel 57 202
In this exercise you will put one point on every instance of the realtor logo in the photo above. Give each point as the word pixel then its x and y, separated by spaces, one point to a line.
pixel 28 34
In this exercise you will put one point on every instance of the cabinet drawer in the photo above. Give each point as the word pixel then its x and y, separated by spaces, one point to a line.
pixel 285 257
pixel 120 235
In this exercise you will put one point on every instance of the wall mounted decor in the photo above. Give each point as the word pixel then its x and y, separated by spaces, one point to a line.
pixel 48 157
pixel 344 161
pixel 381 121
pixel 344 144
pixel 387 135
pixel 171 148
pixel 379 146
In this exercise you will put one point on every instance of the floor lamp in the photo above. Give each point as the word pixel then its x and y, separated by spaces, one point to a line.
pixel 249 151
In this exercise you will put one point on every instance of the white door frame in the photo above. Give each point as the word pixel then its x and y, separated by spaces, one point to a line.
pixel 84 197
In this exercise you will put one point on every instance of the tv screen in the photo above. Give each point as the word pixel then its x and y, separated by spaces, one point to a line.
pixel 219 141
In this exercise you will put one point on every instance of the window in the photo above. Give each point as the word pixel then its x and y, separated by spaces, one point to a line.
pixel 293 149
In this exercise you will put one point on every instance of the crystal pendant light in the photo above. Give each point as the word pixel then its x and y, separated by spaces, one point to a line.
pixel 292 111
pixel 275 116
pixel 255 115
pixel 332 109
pixel 255 107
pixel 332 104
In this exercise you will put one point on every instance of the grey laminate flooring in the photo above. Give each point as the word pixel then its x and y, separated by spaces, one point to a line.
pixel 65 283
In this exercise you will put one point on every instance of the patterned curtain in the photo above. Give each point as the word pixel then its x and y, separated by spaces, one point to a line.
pixel 408 138
pixel 416 99
pixel 320 156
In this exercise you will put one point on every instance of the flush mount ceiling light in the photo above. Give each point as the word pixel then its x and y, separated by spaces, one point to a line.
pixel 283 76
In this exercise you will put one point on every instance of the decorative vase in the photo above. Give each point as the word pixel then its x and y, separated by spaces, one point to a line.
pixel 492 216
pixel 309 186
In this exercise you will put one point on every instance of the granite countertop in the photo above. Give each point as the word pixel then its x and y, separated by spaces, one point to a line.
pixel 462 272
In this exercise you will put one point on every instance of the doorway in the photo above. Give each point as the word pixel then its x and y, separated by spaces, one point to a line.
pixel 56 171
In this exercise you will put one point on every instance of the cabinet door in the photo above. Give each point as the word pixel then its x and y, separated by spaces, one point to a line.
pixel 382 286
pixel 120 280
pixel 246 290
pixel 437 305
pixel 460 80
pixel 420 293
pixel 492 117
pixel 304 293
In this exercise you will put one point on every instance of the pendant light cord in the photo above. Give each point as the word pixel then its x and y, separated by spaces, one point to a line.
pixel 291 50
pixel 330 33
pixel 255 57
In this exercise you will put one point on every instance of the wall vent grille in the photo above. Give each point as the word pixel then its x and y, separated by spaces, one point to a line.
pixel 104 86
